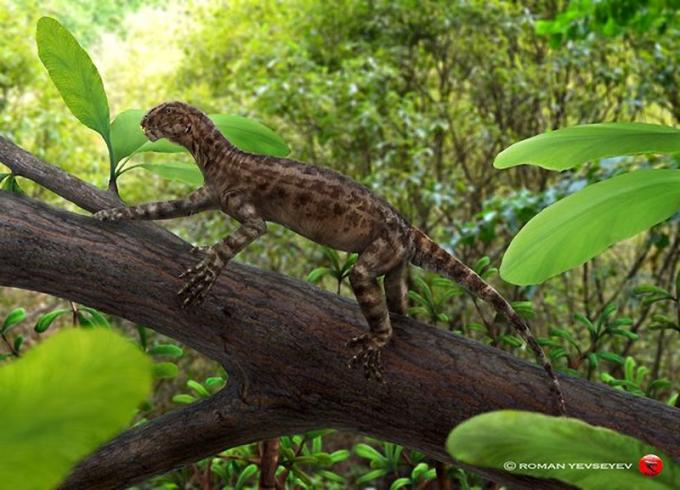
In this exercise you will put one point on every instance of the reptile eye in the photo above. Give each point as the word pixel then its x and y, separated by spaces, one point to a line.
pixel 188 128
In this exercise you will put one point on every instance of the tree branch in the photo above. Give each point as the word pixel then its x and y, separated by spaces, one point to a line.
pixel 71 188
pixel 283 343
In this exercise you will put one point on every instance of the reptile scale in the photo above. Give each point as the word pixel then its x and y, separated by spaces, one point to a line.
pixel 320 204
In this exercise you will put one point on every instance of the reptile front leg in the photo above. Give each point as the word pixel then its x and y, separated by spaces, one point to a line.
pixel 201 277
pixel 201 199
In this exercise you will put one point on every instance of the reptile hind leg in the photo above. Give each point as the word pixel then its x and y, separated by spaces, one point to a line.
pixel 379 258
pixel 396 289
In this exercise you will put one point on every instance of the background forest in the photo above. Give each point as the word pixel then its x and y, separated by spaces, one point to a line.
pixel 413 99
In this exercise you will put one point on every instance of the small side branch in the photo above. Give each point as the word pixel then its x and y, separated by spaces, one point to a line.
pixel 71 188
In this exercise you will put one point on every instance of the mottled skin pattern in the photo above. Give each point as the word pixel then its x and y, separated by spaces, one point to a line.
pixel 320 204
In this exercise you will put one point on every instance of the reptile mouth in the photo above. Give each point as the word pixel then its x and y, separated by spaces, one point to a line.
pixel 150 135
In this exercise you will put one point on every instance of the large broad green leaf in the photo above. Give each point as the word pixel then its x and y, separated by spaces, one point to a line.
pixel 250 136
pixel 62 400
pixel 126 134
pixel 509 440
pixel 569 147
pixel 74 75
pixel 246 134
pixel 181 172
pixel 582 225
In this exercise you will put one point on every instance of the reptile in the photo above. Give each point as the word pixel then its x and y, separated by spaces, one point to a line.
pixel 320 204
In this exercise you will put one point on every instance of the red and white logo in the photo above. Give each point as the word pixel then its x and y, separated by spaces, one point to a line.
pixel 651 465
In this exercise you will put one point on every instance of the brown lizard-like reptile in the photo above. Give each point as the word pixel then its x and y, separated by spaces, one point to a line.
pixel 320 204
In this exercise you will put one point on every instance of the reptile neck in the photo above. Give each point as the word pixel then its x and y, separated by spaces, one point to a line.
pixel 212 149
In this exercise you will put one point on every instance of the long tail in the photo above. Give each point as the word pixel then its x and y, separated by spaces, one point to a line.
pixel 430 256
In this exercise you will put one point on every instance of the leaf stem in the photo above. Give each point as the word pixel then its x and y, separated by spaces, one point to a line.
pixel 14 352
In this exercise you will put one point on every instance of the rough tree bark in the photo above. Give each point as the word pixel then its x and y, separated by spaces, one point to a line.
pixel 282 342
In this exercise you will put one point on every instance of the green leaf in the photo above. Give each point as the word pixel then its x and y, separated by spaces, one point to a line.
pixel 339 455
pixel 13 318
pixel 198 388
pixel 611 357
pixel 3 176
pixel 214 382
pixel 165 370
pixel 126 134
pixel 143 336
pixel 317 274
pixel 74 75
pixel 629 366
pixel 399 483
pixel 673 400
pixel 492 439
pixel 366 451
pixel 297 471
pixel 569 147
pixel 96 318
pixel 18 342
pixel 577 228
pixel 659 384
pixel 419 470
pixel 334 477
pixel 246 134
pixel 169 350
pixel 63 399
pixel 187 173
pixel 250 136
pixel 11 185
pixel 511 340
pixel 45 321
pixel 184 399
pixel 245 475
pixel 650 289
pixel 371 475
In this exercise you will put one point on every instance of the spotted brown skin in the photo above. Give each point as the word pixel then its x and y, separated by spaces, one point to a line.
pixel 320 204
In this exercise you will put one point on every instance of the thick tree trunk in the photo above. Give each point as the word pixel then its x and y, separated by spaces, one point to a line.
pixel 283 343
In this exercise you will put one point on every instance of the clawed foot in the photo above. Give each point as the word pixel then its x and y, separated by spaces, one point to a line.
pixel 200 279
pixel 114 214
pixel 369 356
pixel 199 251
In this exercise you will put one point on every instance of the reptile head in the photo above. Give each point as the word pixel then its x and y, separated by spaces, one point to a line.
pixel 175 121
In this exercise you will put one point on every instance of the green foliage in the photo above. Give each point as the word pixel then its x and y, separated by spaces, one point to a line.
pixel 80 85
pixel 431 302
pixel 177 171
pixel 635 380
pixel 493 439
pixel 126 134
pixel 250 136
pixel 391 461
pixel 165 370
pixel 13 318
pixel 46 320
pixel 609 18
pixel 10 184
pixel 584 224
pixel 209 386
pixel 337 269
pixel 568 147
pixel 74 75
pixel 62 400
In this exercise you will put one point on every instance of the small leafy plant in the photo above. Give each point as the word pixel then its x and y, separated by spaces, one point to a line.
pixel 80 85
